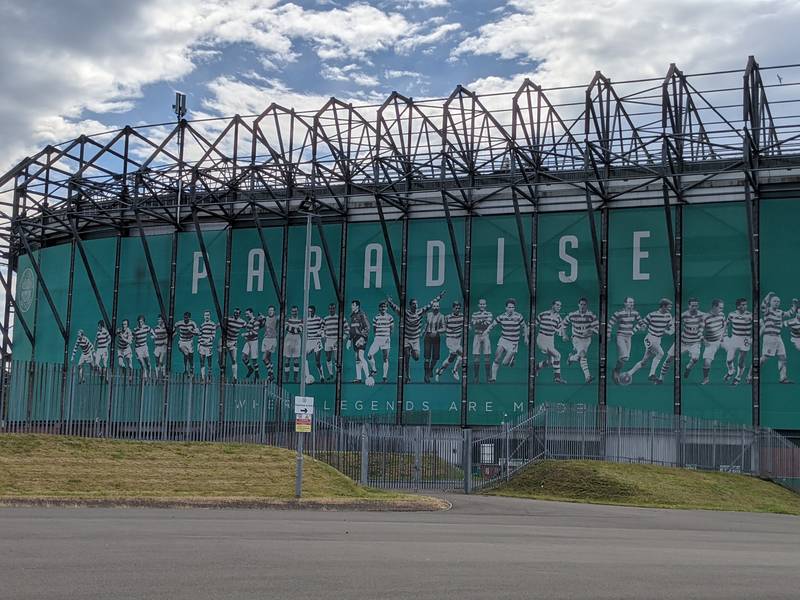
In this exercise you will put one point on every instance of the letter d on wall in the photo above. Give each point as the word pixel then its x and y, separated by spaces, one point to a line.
pixel 434 279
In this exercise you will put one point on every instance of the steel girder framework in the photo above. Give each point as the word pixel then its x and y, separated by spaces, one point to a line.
pixel 580 148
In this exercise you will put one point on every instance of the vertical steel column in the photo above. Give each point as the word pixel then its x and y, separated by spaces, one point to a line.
pixel 465 312
pixel 68 327
pixel 113 333
pixel 282 303
pixel 340 299
pixel 752 116
pixel 532 312
pixel 402 301
pixel 603 291
pixel 226 299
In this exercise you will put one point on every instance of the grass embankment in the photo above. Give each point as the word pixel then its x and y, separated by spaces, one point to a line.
pixel 55 469
pixel 647 485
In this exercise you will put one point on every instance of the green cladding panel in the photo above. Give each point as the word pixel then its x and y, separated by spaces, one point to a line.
pixel 566 279
pixel 54 264
pixel 716 273
pixel 432 274
pixel 780 273
pixel 137 290
pixel 639 268
pixel 26 296
pixel 498 279
pixel 86 313
pixel 370 281
pixel 323 278
pixel 252 286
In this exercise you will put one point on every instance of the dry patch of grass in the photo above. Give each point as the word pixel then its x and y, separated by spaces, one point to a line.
pixel 648 485
pixel 60 469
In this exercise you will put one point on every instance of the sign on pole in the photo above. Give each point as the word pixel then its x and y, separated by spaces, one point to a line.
pixel 303 411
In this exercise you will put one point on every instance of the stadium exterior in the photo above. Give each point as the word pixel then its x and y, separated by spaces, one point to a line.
pixel 573 223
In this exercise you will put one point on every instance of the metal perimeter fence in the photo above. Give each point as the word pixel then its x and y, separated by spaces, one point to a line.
pixel 46 398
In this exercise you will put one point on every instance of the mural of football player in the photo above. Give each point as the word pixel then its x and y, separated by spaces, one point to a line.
pixel 291 345
pixel 657 323
pixel 481 343
pixel 626 320
pixel 512 328
pixel 584 324
pixel 454 331
pixel 773 319
pixel 713 330
pixel 739 342
pixel 252 327
pixel 205 345
pixel 692 321
pixel 86 348
pixel 140 337
pixel 550 324
pixel 412 328
pixel 160 341
pixel 102 342
pixel 315 329
pixel 269 343
pixel 331 321
pixel 382 327
pixel 357 335
pixel 230 340
pixel 124 351
pixel 432 342
pixel 186 331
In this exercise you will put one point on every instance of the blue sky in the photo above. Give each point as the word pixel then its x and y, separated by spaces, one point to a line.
pixel 81 66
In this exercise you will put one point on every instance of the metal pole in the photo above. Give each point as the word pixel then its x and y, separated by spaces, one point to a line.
pixel 298 480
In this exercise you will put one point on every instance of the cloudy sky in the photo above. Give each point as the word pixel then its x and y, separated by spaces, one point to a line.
pixel 82 66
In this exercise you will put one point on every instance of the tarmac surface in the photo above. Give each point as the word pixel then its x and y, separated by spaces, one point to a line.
pixel 483 548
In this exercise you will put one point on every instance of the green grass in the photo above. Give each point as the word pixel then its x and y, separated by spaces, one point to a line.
pixel 394 466
pixel 56 467
pixel 647 485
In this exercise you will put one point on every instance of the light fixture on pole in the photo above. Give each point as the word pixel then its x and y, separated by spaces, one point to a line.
pixel 298 480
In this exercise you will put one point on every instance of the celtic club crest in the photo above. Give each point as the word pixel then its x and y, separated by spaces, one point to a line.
pixel 25 290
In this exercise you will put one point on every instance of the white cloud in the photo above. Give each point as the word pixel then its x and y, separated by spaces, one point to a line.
pixel 59 60
pixel 349 73
pixel 636 38
pixel 410 43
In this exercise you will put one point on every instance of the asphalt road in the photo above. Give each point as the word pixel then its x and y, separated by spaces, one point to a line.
pixel 484 548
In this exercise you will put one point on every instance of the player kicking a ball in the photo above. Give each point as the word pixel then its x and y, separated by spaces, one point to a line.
pixel 659 323
pixel 512 327
pixel 584 325
pixel 627 319
pixel 739 342
pixel 550 324
pixel 691 334
pixel 453 332
pixel 382 326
